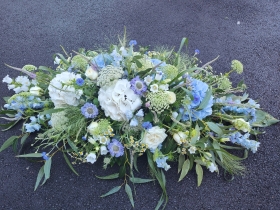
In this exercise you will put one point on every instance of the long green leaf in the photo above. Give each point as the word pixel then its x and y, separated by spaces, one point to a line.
pixel 217 148
pixel 50 111
pixel 214 127
pixel 112 191
pixel 264 119
pixel 195 138
pixel 135 157
pixel 72 145
pixel 69 164
pixel 181 162
pixel 160 202
pixel 199 172
pixel 205 100
pixel 39 177
pixel 185 169
pixel 47 168
pixel 24 138
pixel 112 176
pixel 8 143
pixel 31 155
pixel 140 180
pixel 129 194
pixel 8 125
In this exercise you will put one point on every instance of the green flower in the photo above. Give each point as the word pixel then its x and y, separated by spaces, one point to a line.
pixel 29 67
pixel 79 62
pixel 108 74
pixel 242 125
pixel 169 71
pixel 159 101
pixel 224 83
pixel 237 66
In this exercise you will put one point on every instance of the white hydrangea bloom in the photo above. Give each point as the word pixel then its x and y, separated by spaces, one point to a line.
pixel 23 80
pixel 62 92
pixel 7 79
pixel 118 99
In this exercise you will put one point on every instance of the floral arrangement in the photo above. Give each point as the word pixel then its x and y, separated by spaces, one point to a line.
pixel 120 104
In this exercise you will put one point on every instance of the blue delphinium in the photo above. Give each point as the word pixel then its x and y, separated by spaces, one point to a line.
pixel 133 122
pixel 138 86
pixel 89 110
pixel 44 156
pixel 147 125
pixel 244 141
pixel 161 163
pixel 80 81
pixel 102 60
pixel 33 125
pixel 116 148
pixel 132 42
pixel 198 90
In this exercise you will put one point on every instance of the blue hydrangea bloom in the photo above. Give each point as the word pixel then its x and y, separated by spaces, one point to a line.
pixel 157 61
pixel 132 42
pixel 199 90
pixel 102 60
pixel 80 81
pixel 115 148
pixel 89 110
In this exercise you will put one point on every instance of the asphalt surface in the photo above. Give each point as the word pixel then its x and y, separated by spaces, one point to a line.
pixel 32 31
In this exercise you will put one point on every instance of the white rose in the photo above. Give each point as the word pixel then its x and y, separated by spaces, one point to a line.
pixel 91 73
pixel 36 91
pixel 91 158
pixel 154 136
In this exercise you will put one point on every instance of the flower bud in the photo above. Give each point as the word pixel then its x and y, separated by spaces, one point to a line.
pixel 36 91
pixel 91 73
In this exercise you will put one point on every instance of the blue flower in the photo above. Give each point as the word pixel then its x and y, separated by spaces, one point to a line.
pixel 244 141
pixel 161 163
pixel 133 122
pixel 89 110
pixel 157 61
pixel 102 60
pixel 80 81
pixel 147 125
pixel 138 86
pixel 197 51
pixel 44 156
pixel 132 42
pixel 116 148
pixel 84 138
pixel 128 115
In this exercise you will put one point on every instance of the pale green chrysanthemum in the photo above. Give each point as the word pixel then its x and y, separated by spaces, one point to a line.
pixel 108 74
pixel 79 62
pixel 237 66
pixel 224 83
pixel 241 124
pixel 159 101
pixel 169 71
pixel 29 67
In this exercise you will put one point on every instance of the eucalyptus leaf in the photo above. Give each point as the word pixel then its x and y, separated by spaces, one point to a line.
pixel 196 136
pixel 47 168
pixel 140 180
pixel 31 155
pixel 135 157
pixel 129 194
pixel 23 139
pixel 39 177
pixel 263 119
pixel 50 111
pixel 112 191
pixel 8 142
pixel 217 148
pixel 112 176
pixel 72 145
pixel 214 127
pixel 199 172
pixel 160 202
pixel 69 164
pixel 185 169
pixel 181 161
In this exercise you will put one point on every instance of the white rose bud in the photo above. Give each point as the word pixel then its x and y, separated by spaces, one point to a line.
pixel 36 91
pixel 177 138
pixel 91 73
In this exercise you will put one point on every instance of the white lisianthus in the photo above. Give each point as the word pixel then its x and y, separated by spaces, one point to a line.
pixel 154 136
pixel 118 99
pixel 91 158
pixel 62 92
pixel 154 88
pixel 92 126
pixel 91 73
pixel 37 91
pixel 148 79
pixel 103 150
pixel 171 97
pixel 7 79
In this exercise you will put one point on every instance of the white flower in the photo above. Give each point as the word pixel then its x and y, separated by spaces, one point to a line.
pixel 34 82
pixel 103 150
pixel 57 60
pixel 23 80
pixel 133 122
pixel 171 97
pixel 212 167
pixel 104 140
pixel 154 136
pixel 148 79
pixel 192 149
pixel 7 79
pixel 91 73
pixel 175 114
pixel 36 91
pixel 154 88
pixel 91 140
pixel 164 87
pixel 118 99
pixel 167 167
pixel 123 51
pixel 11 87
pixel 158 76
pixel 91 128
pixel 140 113
pixel 179 137
pixel 62 92
pixel 91 158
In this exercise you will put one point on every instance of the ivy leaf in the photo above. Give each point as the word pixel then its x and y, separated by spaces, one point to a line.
pixel 199 172
pixel 112 176
pixel 185 169
pixel 112 191
pixel 129 194
pixel 8 143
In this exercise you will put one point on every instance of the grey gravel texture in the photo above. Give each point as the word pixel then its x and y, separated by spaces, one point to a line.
pixel 32 31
